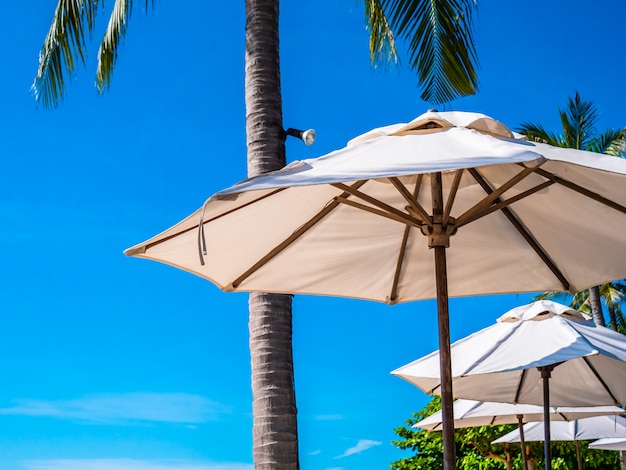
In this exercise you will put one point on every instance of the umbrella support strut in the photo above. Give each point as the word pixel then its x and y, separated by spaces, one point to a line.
pixel 439 240
pixel 522 443
pixel 545 376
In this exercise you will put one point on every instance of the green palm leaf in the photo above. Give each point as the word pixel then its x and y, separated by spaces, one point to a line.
pixel 441 44
pixel 578 122
pixel 382 42
pixel 537 133
pixel 107 54
pixel 63 47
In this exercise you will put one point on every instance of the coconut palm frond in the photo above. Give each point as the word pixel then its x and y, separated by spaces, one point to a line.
pixel 557 296
pixel 107 54
pixel 382 42
pixel 609 141
pixel 578 121
pixel 537 133
pixel 63 47
pixel 618 148
pixel 441 44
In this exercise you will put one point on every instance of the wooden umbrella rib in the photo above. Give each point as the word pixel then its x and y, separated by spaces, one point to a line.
pixel 195 227
pixel 398 217
pixel 585 192
pixel 333 203
pixel 520 384
pixel 406 194
pixel 396 275
pixel 495 194
pixel 405 239
pixel 451 196
pixel 602 382
pixel 524 232
pixel 501 204
pixel 386 208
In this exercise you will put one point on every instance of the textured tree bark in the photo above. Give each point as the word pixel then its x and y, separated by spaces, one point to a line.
pixel 275 436
pixel 596 306
pixel 274 432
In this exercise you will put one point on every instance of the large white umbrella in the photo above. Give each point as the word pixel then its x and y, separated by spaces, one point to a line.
pixel 583 429
pixel 543 353
pixel 609 443
pixel 360 222
pixel 470 413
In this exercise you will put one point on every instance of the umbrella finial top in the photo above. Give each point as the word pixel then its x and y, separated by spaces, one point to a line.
pixel 541 310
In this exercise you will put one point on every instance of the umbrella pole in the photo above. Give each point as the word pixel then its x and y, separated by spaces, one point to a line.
pixel 520 425
pixel 545 375
pixel 439 240
pixel 579 456
pixel 445 363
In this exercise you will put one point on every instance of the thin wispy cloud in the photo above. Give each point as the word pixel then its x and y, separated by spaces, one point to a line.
pixel 127 464
pixel 330 417
pixel 125 408
pixel 361 446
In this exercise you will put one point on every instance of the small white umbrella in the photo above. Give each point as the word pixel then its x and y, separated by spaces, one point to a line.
pixel 374 220
pixel 609 443
pixel 469 413
pixel 584 429
pixel 543 353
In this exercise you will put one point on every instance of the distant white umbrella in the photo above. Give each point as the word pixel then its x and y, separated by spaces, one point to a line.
pixel 374 220
pixel 469 413
pixel 609 443
pixel 584 429
pixel 543 353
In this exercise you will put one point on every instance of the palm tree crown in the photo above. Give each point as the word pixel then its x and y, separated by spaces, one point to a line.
pixel 578 121
pixel 439 39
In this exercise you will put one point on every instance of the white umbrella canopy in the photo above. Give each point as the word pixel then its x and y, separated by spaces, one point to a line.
pixel 543 353
pixel 579 430
pixel 609 443
pixel 499 363
pixel 583 429
pixel 360 222
pixel 469 413
pixel 350 223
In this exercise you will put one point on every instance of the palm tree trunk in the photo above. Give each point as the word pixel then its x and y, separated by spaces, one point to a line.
pixel 596 306
pixel 274 431
pixel 275 436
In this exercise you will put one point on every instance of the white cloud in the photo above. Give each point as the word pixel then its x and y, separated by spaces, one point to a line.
pixel 362 445
pixel 124 408
pixel 125 464
pixel 335 417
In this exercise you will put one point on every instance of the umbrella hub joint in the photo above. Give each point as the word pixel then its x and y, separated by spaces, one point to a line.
pixel 545 371
pixel 439 231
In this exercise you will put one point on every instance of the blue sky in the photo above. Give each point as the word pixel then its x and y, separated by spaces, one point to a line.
pixel 113 363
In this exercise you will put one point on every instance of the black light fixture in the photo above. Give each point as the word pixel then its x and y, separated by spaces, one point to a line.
pixel 308 136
